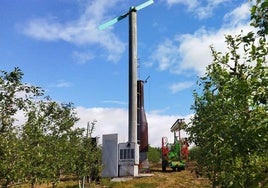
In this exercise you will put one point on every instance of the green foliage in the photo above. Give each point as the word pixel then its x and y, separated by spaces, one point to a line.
pixel 154 154
pixel 10 157
pixel 47 137
pixel 47 145
pixel 259 16
pixel 194 153
pixel 231 121
pixel 11 89
pixel 88 159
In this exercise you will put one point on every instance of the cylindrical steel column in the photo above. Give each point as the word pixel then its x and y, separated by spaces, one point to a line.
pixel 132 112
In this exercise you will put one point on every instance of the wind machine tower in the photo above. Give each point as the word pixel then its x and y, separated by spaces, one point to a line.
pixel 128 154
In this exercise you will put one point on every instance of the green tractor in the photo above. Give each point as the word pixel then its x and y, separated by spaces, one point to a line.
pixel 175 155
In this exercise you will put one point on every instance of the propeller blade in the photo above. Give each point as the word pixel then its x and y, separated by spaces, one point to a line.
pixel 143 5
pixel 113 21
pixel 117 19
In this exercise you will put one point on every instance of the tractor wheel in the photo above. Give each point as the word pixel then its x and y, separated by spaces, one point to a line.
pixel 181 168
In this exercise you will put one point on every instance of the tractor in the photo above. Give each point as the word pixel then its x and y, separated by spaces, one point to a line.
pixel 175 155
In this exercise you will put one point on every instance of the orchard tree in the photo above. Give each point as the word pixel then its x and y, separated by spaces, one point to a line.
pixel 154 154
pixel 48 144
pixel 59 148
pixel 14 96
pixel 231 111
pixel 33 138
pixel 88 163
pixel 10 157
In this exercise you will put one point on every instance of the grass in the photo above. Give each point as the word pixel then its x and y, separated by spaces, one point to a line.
pixel 169 179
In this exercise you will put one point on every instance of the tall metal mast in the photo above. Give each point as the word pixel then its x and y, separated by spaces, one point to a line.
pixel 132 111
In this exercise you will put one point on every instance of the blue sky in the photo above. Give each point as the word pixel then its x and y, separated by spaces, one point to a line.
pixel 58 46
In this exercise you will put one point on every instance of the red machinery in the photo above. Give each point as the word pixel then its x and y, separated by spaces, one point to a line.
pixel 175 154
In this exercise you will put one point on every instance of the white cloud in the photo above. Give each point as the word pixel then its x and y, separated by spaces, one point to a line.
pixel 61 84
pixel 207 10
pixel 192 51
pixel 115 102
pixel 180 86
pixel 238 16
pixel 159 126
pixel 82 31
pixel 82 57
pixel 191 4
pixel 202 9
pixel 115 120
pixel 109 120
pixel 166 55
pixel 20 118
